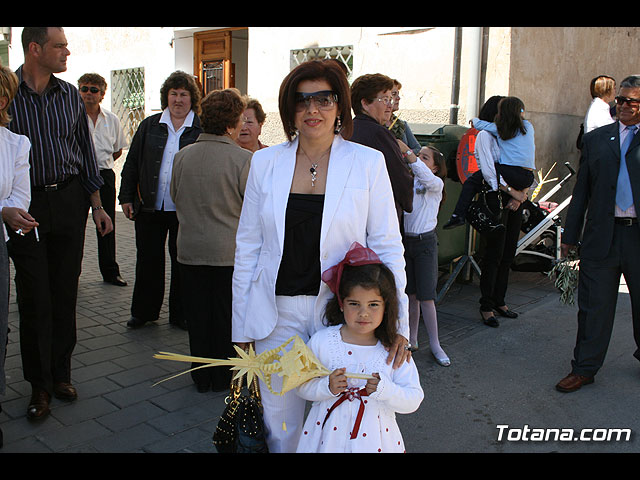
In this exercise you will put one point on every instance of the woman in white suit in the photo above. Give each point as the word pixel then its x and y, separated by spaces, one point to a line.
pixel 306 201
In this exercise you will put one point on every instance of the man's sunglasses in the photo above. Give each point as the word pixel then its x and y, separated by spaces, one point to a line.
pixel 324 99
pixel 633 102
pixel 85 89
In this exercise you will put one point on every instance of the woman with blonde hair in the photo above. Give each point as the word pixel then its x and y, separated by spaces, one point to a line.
pixel 603 92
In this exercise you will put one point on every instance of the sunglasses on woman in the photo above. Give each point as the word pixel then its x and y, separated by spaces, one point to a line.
pixel 324 100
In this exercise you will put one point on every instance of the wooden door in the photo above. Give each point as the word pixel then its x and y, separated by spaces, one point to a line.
pixel 212 57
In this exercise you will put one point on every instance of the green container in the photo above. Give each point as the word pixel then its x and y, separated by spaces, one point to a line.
pixel 451 243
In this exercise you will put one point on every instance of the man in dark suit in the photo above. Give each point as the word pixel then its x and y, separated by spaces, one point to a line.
pixel 607 190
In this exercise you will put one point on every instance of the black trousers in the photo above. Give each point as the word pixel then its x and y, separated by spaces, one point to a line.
pixel 499 249
pixel 598 284
pixel 517 178
pixel 206 297
pixel 107 245
pixel 47 274
pixel 152 230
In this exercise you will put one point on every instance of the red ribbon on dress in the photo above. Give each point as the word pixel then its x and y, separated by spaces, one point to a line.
pixel 350 394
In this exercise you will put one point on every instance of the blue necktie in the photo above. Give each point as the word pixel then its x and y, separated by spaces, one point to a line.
pixel 624 197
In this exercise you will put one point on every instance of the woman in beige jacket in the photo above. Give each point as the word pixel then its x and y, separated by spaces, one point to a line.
pixel 207 186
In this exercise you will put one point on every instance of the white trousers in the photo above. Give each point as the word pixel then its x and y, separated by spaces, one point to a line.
pixel 295 317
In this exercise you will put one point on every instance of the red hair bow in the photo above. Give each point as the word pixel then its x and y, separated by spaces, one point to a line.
pixel 357 255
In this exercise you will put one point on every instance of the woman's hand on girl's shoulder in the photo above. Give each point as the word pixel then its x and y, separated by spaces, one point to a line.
pixel 398 352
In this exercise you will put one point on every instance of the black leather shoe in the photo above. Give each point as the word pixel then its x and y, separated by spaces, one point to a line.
pixel 65 391
pixel 490 321
pixel 135 322
pixel 117 280
pixel 38 405
pixel 454 222
pixel 506 313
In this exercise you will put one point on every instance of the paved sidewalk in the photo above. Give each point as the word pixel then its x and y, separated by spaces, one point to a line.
pixel 498 376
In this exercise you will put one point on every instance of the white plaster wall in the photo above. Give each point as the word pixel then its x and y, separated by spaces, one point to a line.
pixel 103 49
pixel 420 58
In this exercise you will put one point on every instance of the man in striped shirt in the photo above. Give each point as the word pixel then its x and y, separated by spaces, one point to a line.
pixel 65 181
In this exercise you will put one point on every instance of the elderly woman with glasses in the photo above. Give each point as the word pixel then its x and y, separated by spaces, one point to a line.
pixel 252 121
pixel 306 201
pixel 372 101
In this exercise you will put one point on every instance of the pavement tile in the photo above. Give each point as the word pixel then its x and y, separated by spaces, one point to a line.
pixel 121 411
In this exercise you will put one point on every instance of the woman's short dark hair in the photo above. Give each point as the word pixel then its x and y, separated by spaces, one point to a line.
pixel 221 109
pixel 327 70
pixel 489 110
pixel 180 79
pixel 377 276
pixel 367 87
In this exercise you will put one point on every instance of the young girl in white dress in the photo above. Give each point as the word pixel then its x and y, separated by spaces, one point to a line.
pixel 348 414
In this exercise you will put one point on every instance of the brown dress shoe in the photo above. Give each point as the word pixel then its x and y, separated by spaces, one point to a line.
pixel 39 404
pixel 573 382
pixel 65 391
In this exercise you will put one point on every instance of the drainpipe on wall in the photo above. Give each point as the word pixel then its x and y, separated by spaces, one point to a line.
pixel 475 62
pixel 455 86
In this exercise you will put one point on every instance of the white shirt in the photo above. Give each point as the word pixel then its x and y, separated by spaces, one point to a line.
pixel 163 199
pixel 15 184
pixel 487 152
pixel 424 216
pixel 598 115
pixel 631 211
pixel 108 138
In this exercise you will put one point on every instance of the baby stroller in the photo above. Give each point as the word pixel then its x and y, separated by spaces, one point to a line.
pixel 539 247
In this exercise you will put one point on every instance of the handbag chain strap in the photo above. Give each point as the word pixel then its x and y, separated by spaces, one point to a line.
pixel 236 389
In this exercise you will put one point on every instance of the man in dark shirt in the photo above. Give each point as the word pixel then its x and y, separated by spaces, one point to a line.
pixel 65 181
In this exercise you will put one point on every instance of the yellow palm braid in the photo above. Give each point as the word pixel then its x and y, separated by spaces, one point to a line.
pixel 296 365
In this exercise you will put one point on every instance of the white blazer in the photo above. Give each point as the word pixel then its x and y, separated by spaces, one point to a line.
pixel 358 207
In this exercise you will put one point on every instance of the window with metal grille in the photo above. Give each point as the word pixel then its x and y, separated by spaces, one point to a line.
pixel 127 98
pixel 213 74
pixel 342 53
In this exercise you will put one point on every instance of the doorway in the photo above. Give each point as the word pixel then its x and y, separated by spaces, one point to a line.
pixel 213 59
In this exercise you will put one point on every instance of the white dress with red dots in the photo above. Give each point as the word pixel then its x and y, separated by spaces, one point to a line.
pixel 355 422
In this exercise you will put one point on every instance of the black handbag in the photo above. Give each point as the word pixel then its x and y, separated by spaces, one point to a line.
pixel 241 427
pixel 481 216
